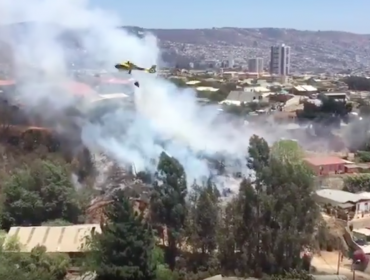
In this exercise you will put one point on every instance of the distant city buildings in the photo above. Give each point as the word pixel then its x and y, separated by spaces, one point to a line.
pixel 255 65
pixel 280 60
pixel 230 63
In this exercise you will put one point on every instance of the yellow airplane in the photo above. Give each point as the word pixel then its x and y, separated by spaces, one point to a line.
pixel 129 66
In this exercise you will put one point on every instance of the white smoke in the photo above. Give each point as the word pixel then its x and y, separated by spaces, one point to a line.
pixel 166 118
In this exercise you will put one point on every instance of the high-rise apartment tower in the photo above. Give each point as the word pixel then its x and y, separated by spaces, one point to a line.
pixel 255 65
pixel 280 60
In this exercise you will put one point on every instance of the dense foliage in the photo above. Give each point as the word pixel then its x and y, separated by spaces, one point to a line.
pixel 329 112
pixel 124 248
pixel 260 230
pixel 39 193
pixel 358 83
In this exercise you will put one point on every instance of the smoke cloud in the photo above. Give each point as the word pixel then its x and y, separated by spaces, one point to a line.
pixel 165 118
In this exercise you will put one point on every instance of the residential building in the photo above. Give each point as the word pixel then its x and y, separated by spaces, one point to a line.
pixel 342 96
pixel 231 63
pixel 356 205
pixel 305 90
pixel 62 239
pixel 280 60
pixel 327 165
pixel 255 65
pixel 238 97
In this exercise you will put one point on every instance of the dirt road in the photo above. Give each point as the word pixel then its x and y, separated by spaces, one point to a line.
pixel 327 262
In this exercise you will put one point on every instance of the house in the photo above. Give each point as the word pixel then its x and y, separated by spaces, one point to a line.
pixel 191 83
pixel 256 89
pixel 212 89
pixel 238 98
pixel 314 81
pixel 61 239
pixel 337 95
pixel 349 206
pixel 326 165
pixel 303 90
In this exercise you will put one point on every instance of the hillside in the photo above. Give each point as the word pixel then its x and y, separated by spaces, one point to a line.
pixel 236 36
pixel 329 50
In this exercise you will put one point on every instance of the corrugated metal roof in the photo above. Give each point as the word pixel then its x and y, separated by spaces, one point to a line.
pixel 305 88
pixel 56 239
pixel 364 231
pixel 240 96
pixel 309 88
pixel 339 196
pixel 207 89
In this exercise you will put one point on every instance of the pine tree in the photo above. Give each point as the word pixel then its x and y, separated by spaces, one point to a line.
pixel 124 248
pixel 168 204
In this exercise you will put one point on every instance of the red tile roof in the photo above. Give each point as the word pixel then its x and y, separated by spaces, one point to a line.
pixel 115 81
pixel 6 82
pixel 80 89
pixel 325 160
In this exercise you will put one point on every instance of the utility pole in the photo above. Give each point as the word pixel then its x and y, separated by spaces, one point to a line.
pixel 339 258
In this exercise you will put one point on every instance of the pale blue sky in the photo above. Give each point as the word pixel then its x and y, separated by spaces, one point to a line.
pixel 346 15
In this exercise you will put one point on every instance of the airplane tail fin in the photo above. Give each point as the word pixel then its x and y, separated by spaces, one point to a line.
pixel 152 69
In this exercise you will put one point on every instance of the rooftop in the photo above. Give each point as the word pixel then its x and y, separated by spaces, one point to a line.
pixel 240 96
pixel 6 82
pixel 79 89
pixel 116 81
pixel 305 88
pixel 340 196
pixel 325 160
pixel 364 231
pixel 55 238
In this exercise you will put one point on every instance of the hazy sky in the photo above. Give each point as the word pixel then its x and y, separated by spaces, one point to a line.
pixel 346 15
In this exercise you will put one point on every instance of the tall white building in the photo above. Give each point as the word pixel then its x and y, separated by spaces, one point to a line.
pixel 230 63
pixel 280 60
pixel 255 65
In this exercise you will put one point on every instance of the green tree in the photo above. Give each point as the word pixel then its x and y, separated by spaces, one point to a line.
pixel 248 218
pixel 226 236
pixel 56 223
pixel 46 266
pixel 205 218
pixel 357 183
pixel 38 194
pixel 328 114
pixel 124 248
pixel 357 83
pixel 36 265
pixel 168 205
pixel 275 209
pixel 287 149
pixel 357 135
pixel 258 153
